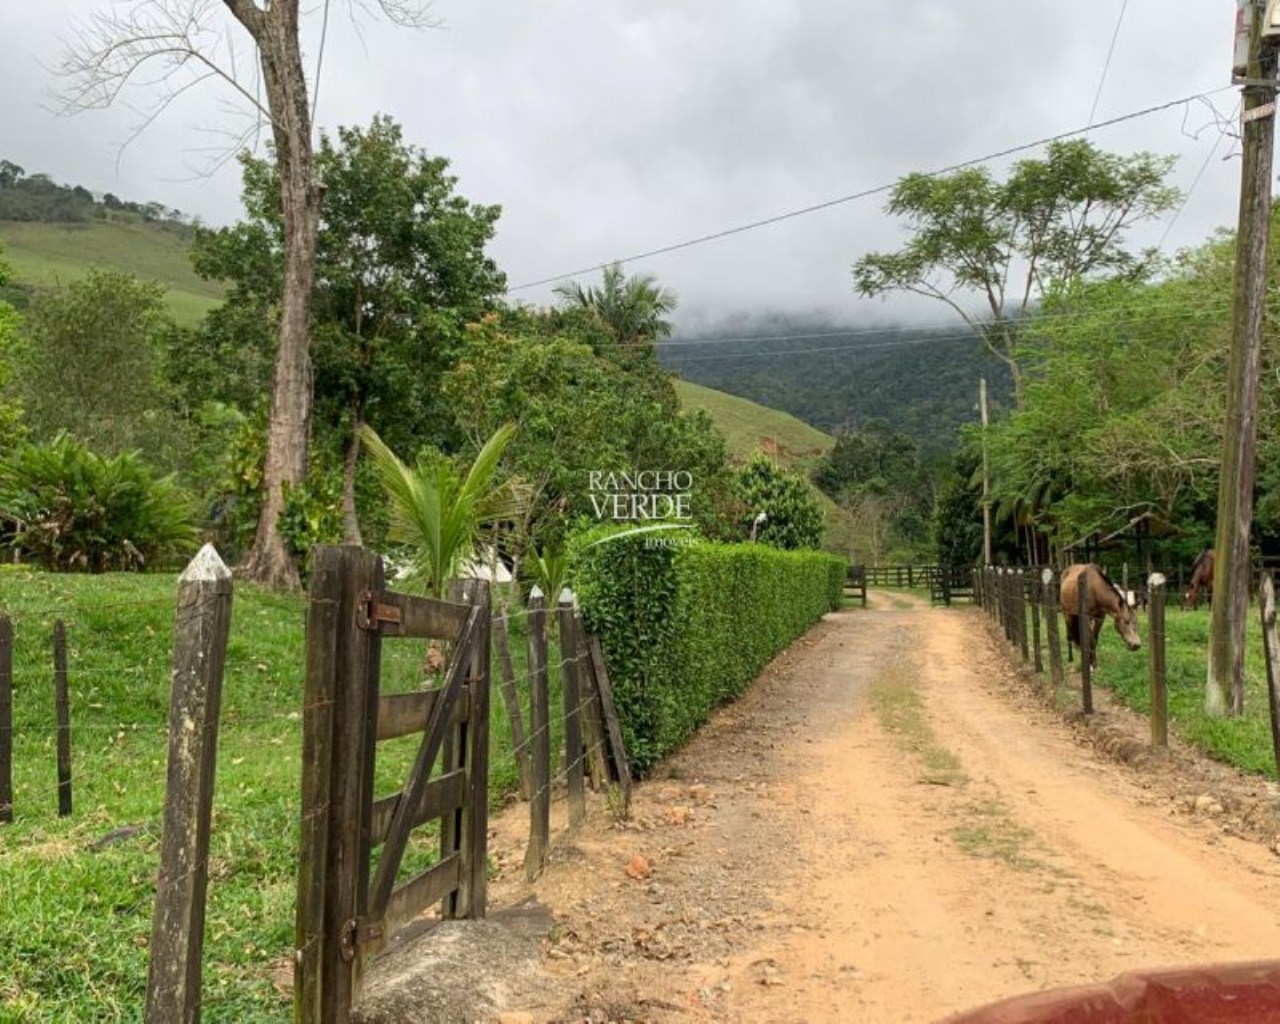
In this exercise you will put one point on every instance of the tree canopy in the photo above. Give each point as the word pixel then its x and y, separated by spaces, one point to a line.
pixel 1053 223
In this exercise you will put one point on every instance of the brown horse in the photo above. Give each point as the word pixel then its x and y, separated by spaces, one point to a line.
pixel 1104 599
pixel 1201 579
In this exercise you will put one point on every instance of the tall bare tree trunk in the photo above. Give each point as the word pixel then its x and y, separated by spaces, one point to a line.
pixel 350 516
pixel 275 30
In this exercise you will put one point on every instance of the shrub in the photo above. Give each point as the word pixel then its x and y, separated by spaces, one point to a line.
pixel 793 515
pixel 73 511
pixel 687 628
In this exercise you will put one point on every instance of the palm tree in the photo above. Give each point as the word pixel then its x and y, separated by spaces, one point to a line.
pixel 439 512
pixel 632 309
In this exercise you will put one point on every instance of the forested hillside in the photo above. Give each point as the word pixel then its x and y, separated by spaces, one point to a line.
pixel 920 381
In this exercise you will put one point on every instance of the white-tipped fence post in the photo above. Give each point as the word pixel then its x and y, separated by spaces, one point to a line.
pixel 571 698
pixel 1156 642
pixel 201 626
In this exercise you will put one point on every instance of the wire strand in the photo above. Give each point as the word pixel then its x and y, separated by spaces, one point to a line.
pixel 865 193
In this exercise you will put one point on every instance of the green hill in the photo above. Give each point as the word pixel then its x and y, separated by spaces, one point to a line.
pixel 748 426
pixel 792 443
pixel 46 254
pixel 922 381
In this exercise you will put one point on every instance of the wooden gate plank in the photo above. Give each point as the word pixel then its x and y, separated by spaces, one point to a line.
pixel 441 795
pixel 403 714
pixel 424 889
pixel 398 833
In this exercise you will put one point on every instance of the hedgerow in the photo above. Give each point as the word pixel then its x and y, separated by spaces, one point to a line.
pixel 687 628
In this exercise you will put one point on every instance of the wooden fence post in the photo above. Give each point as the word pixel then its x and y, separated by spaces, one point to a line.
pixel 535 855
pixel 511 699
pixel 1036 587
pixel 1051 628
pixel 1272 649
pixel 1159 693
pixel 571 699
pixel 357 660
pixel 1085 634
pixel 474 824
pixel 202 624
pixel 1020 597
pixel 6 719
pixel 62 701
pixel 621 765
pixel 592 715
pixel 323 596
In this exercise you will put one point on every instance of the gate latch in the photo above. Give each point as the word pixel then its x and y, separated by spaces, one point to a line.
pixel 373 614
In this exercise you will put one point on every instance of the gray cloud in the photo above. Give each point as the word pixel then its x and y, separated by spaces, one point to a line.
pixel 614 126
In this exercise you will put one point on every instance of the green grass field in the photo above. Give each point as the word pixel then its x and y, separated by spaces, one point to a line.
pixel 1244 742
pixel 747 427
pixel 44 255
pixel 76 921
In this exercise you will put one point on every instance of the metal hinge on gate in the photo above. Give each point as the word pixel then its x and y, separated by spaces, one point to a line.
pixel 372 614
pixel 356 932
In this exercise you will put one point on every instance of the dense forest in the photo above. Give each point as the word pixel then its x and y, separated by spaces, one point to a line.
pixel 921 381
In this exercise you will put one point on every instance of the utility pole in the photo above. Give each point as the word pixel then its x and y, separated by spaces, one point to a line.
pixel 1224 688
pixel 986 476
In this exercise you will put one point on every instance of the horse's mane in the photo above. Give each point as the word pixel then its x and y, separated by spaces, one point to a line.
pixel 1124 598
pixel 1200 558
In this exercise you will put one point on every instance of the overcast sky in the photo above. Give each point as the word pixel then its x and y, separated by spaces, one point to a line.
pixel 610 127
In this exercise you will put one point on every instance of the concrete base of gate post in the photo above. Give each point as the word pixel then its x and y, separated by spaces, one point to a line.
pixel 460 971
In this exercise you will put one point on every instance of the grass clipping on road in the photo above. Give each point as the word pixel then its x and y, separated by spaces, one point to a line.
pixel 987 829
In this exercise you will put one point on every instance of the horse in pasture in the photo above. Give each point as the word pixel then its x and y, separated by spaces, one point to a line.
pixel 1104 598
pixel 1201 579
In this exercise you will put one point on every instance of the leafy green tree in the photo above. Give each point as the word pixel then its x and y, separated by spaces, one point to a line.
pixel 633 310
pixel 439 511
pixel 877 475
pixel 1122 412
pixel 957 516
pixel 1053 223
pixel 130 43
pixel 580 413
pixel 793 518
pixel 92 364
pixel 400 267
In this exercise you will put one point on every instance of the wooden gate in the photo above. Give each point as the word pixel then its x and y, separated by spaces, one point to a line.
pixel 349 907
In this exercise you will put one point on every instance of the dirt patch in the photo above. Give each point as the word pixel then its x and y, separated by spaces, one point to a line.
pixel 889 826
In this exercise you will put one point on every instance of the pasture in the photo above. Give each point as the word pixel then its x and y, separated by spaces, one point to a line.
pixel 1244 742
pixel 46 255
pixel 73 939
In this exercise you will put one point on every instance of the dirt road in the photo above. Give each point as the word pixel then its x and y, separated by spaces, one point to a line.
pixel 884 829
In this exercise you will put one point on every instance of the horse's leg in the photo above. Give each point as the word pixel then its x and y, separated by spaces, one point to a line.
pixel 1095 631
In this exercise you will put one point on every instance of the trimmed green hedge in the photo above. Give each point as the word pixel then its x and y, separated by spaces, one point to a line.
pixel 687 628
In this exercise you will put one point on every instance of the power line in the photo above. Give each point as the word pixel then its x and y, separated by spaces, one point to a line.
pixel 865 193
pixel 1107 64
pixel 1194 182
